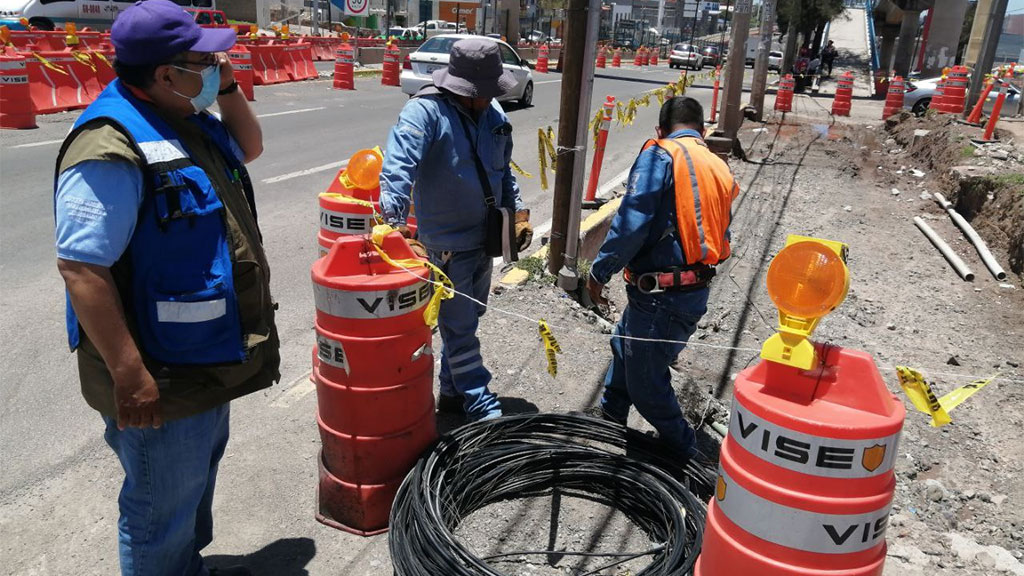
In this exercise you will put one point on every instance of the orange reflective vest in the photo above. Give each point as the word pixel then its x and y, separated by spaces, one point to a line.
pixel 705 189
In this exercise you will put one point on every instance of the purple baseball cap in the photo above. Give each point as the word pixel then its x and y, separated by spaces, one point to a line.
pixel 153 31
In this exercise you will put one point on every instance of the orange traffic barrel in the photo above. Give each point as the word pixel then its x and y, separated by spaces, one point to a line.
pixel 16 107
pixel 784 95
pixel 373 370
pixel 241 62
pixel 361 509
pixel 895 96
pixel 806 473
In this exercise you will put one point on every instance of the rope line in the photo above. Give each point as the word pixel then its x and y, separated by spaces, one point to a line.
pixel 535 321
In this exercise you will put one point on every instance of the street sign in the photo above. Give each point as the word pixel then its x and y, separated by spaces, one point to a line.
pixel 353 7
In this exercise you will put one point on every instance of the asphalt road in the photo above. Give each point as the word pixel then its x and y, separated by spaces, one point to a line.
pixel 309 129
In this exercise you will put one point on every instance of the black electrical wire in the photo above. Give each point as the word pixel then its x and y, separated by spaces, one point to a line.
pixel 530 455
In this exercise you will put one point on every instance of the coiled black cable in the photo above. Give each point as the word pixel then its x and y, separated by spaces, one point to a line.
pixel 530 455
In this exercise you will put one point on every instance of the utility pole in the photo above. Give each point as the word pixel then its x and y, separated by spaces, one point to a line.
pixel 732 114
pixel 987 56
pixel 760 83
pixel 580 45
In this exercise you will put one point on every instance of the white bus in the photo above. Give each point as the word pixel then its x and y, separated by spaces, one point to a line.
pixel 53 14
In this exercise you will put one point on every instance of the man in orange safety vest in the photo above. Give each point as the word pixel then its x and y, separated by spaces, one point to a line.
pixel 670 232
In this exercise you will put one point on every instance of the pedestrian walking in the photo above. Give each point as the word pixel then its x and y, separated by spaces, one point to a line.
pixel 169 307
pixel 670 232
pixel 828 56
pixel 450 155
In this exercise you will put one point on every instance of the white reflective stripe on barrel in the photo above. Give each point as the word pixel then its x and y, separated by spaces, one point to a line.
pixel 799 529
pixel 331 352
pixel 12 64
pixel 814 455
pixel 371 304
pixel 345 223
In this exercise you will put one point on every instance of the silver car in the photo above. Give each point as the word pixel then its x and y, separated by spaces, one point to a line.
pixel 433 55
pixel 919 95
pixel 686 55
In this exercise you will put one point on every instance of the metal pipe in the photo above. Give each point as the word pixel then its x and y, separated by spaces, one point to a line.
pixel 979 244
pixel 946 251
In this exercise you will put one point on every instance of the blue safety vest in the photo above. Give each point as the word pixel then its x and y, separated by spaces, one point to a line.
pixel 181 295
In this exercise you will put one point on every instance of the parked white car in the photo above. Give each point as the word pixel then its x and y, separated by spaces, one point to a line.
pixel 775 60
pixel 686 55
pixel 433 55
pixel 919 95
pixel 53 14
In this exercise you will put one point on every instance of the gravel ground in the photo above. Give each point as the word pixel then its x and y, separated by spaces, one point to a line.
pixel 959 504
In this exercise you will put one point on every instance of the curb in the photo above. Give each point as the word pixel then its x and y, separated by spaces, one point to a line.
pixel 594 226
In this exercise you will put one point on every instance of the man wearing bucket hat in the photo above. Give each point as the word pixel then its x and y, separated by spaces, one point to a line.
pixel 169 306
pixel 450 150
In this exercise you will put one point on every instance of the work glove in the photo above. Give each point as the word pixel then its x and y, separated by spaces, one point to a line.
pixel 418 248
pixel 524 232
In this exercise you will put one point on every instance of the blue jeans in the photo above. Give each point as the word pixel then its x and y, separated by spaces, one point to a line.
pixel 639 371
pixel 462 366
pixel 166 500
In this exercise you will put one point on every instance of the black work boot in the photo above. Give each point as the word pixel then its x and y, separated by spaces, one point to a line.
pixel 451 404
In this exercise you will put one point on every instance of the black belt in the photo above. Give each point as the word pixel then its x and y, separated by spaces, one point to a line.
pixel 677 279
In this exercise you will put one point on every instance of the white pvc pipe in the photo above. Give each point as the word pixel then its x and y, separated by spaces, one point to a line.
pixel 946 251
pixel 979 244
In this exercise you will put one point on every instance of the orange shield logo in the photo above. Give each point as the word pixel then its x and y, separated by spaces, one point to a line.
pixel 720 489
pixel 873 457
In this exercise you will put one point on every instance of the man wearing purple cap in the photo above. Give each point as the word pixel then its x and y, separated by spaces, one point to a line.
pixel 169 306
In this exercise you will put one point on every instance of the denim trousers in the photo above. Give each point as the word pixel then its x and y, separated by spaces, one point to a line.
pixel 639 371
pixel 166 500
pixel 462 366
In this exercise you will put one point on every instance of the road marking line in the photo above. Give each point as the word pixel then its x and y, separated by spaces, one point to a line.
pixel 307 172
pixel 298 389
pixel 35 144
pixel 602 192
pixel 286 112
pixel 548 82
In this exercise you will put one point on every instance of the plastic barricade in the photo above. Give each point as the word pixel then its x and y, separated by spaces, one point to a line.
pixel 266 65
pixel 61 81
pixel 297 60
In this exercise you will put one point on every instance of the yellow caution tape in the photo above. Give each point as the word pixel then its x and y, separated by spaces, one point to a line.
pixel 961 394
pixel 551 347
pixel 49 64
pixel 521 172
pixel 595 124
pixel 924 399
pixel 84 58
pixel 921 395
pixel 349 199
pixel 549 143
pixel 447 291
pixel 102 57
pixel 542 156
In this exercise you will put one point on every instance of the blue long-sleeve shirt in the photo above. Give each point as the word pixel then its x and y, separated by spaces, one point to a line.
pixel 429 162
pixel 644 234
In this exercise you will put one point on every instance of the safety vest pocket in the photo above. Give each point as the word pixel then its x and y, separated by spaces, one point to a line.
pixel 190 321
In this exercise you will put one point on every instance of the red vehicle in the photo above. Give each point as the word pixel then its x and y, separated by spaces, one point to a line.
pixel 209 18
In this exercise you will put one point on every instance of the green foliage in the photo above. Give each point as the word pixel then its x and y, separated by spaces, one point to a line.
pixel 1011 180
pixel 806 15
pixel 537 268
pixel 967 152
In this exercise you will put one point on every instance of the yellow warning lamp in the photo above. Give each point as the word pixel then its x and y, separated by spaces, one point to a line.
pixel 285 31
pixel 806 280
pixel 72 34
pixel 24 22
pixel 363 170
pixel 5 36
pixel 345 37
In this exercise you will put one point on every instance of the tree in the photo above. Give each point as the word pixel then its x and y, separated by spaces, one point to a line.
pixel 803 18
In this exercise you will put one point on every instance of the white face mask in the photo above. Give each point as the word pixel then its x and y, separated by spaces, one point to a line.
pixel 208 93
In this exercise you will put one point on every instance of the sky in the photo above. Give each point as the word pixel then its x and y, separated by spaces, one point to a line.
pixel 1015 7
